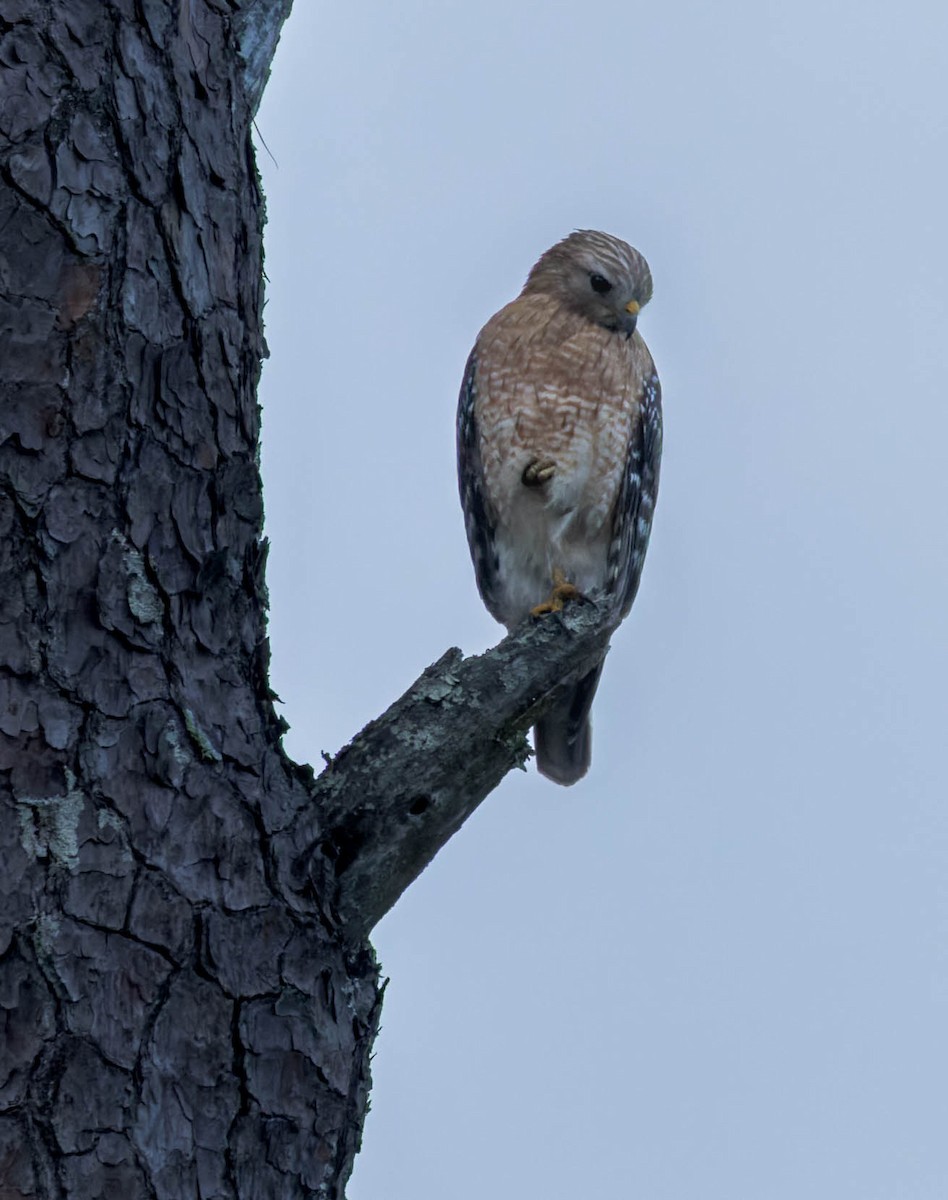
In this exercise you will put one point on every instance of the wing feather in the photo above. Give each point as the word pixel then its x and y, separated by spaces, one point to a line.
pixel 479 518
pixel 632 518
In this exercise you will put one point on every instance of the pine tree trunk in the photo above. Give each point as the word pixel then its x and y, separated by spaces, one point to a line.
pixel 170 1026
pixel 188 998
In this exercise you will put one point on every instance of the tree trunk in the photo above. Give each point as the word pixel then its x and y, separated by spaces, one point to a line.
pixel 187 996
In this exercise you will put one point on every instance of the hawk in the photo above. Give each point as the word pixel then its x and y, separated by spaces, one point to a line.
pixel 559 437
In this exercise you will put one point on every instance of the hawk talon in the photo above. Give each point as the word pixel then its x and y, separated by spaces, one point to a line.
pixel 563 592
pixel 538 472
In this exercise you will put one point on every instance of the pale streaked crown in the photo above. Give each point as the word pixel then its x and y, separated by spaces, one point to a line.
pixel 597 275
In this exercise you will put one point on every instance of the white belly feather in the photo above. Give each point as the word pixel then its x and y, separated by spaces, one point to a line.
pixel 556 527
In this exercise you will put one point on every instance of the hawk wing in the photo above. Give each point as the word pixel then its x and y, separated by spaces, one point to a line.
pixel 479 519
pixel 632 519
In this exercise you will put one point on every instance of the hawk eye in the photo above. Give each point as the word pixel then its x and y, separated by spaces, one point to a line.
pixel 600 284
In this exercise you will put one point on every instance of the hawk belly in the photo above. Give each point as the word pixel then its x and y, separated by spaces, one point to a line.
pixel 558 526
pixel 565 523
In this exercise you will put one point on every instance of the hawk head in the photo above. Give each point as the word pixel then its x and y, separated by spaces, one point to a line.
pixel 596 275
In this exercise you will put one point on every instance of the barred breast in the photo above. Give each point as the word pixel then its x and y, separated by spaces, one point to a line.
pixel 553 387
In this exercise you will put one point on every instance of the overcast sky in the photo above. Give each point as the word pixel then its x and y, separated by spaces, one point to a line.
pixel 716 969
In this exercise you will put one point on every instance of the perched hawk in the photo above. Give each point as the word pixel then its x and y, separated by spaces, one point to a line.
pixel 559 434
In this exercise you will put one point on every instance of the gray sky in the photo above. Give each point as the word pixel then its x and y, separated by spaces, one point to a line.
pixel 717 968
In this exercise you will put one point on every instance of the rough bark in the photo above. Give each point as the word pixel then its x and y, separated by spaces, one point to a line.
pixel 387 803
pixel 187 998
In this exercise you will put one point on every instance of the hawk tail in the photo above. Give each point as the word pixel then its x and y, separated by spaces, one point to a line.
pixel 562 738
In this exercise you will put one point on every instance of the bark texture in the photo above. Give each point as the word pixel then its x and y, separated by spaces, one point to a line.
pixel 387 803
pixel 187 998
pixel 169 1025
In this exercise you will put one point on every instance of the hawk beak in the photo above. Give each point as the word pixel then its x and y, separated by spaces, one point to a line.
pixel 628 324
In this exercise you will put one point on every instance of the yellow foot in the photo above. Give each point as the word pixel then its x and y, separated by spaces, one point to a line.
pixel 538 472
pixel 561 595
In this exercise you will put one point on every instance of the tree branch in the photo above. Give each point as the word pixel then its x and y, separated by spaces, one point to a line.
pixel 388 802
